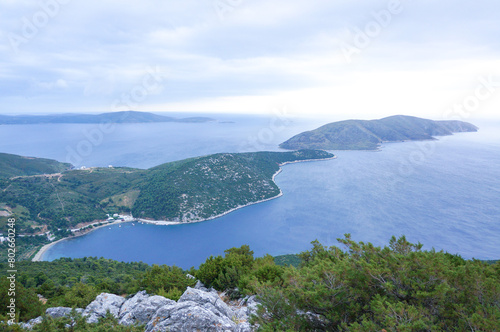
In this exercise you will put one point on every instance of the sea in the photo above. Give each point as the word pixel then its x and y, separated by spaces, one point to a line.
pixel 443 193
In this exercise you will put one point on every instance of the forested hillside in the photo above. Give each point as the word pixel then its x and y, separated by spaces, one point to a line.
pixel 12 165
pixel 187 190
pixel 204 187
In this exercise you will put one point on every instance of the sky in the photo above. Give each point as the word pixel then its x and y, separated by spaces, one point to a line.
pixel 327 58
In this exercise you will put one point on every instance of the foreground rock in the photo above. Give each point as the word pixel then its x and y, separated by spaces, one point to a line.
pixel 102 304
pixel 141 307
pixel 198 309
pixel 189 316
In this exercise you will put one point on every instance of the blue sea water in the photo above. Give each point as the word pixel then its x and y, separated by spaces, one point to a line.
pixel 444 194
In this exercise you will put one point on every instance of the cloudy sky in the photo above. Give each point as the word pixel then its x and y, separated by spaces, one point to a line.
pixel 342 58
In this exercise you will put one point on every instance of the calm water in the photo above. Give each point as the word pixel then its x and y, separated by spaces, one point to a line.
pixel 445 194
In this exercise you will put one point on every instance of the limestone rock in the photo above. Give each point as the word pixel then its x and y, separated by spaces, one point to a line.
pixel 252 306
pixel 58 312
pixel 103 303
pixel 141 307
pixel 188 316
pixel 198 309
pixel 203 298
pixel 244 327
pixel 32 322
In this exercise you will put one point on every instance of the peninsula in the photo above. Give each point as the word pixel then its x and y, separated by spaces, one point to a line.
pixel 369 134
pixel 50 195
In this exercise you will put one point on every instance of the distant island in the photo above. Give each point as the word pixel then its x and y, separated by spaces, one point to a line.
pixel 114 117
pixel 42 192
pixel 369 134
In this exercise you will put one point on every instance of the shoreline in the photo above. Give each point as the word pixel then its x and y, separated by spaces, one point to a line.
pixel 39 255
pixel 168 223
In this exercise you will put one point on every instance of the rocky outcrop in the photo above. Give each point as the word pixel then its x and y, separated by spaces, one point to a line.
pixel 141 307
pixel 198 309
pixel 58 312
pixel 102 304
pixel 32 322
pixel 189 316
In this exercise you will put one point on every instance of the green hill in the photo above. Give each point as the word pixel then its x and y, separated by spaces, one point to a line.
pixel 369 134
pixel 14 165
pixel 189 190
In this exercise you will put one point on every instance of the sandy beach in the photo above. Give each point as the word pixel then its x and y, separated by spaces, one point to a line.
pixel 38 256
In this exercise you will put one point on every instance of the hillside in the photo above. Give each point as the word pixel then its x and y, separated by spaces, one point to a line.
pixel 115 117
pixel 189 190
pixel 205 187
pixel 369 134
pixel 13 165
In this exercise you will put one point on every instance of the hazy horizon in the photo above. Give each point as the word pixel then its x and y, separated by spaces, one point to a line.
pixel 317 58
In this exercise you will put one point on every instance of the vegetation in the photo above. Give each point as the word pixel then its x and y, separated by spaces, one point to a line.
pixel 396 288
pixel 76 282
pixel 168 281
pixel 26 247
pixel 368 135
pixel 238 273
pixel 363 288
pixel 285 260
pixel 188 190
pixel 12 165
pixel 200 188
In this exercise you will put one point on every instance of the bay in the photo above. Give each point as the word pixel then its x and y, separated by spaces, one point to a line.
pixel 444 194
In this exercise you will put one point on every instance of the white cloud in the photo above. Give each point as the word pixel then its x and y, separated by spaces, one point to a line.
pixel 261 53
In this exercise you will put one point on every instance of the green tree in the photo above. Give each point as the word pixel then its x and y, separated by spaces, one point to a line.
pixel 397 288
pixel 27 305
pixel 167 280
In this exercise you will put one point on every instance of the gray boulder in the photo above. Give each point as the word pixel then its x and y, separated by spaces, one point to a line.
pixel 244 327
pixel 209 300
pixel 32 322
pixel 188 316
pixel 103 303
pixel 141 307
pixel 58 312
pixel 199 285
pixel 251 305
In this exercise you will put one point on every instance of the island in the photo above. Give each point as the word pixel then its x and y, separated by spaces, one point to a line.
pixel 113 117
pixel 370 134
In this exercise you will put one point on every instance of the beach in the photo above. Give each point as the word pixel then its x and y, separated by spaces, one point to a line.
pixel 38 256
